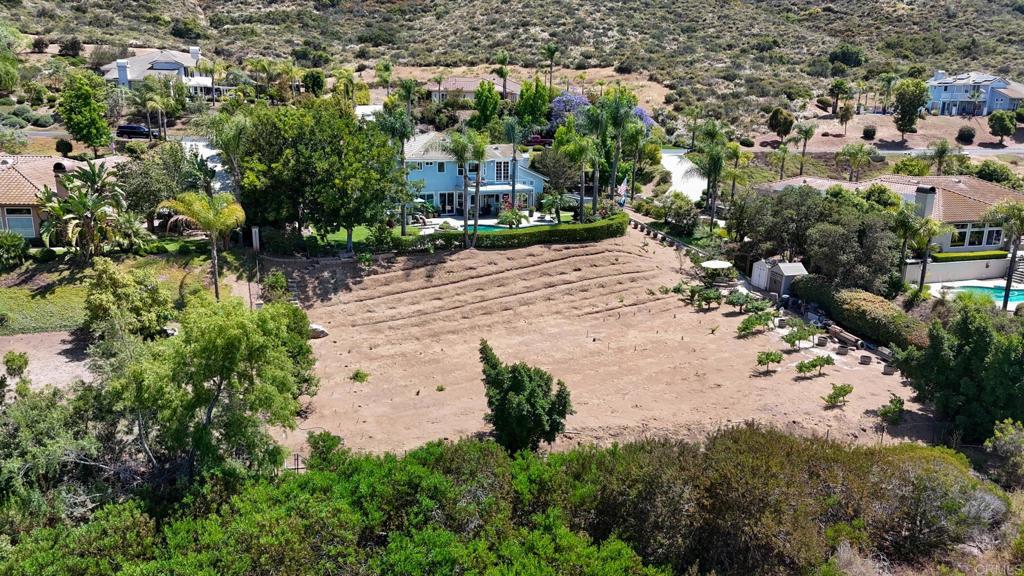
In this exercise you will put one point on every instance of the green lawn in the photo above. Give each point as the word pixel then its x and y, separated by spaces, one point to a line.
pixel 53 308
pixel 361 233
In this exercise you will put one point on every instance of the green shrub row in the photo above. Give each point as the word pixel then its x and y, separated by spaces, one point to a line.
pixel 611 227
pixel 866 315
pixel 968 256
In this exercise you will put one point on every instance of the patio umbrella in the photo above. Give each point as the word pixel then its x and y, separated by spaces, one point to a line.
pixel 716 264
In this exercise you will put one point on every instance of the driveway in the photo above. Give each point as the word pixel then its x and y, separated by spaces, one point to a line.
pixel 683 180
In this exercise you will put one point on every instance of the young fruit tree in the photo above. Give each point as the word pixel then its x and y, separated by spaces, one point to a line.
pixel 837 397
pixel 768 358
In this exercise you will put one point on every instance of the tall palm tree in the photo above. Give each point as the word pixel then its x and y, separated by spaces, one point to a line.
pixel 383 70
pixel 693 114
pixel 550 52
pixel 594 122
pixel 409 92
pixel 397 124
pixel 802 133
pixel 778 157
pixel 927 230
pixel 939 152
pixel 290 73
pixel 1009 214
pixel 154 104
pixel 887 81
pixel 737 161
pixel 501 59
pixel 140 100
pixel 439 80
pixel 96 179
pixel 905 225
pixel 619 105
pixel 710 163
pixel 345 84
pixel 857 156
pixel 478 153
pixel 216 215
pixel 458 146
pixel 635 138
pixel 515 132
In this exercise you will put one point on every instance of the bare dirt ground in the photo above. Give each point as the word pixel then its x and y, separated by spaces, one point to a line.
pixel 888 138
pixel 636 361
pixel 54 358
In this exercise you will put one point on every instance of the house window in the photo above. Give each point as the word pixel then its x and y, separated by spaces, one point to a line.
pixel 959 236
pixel 461 171
pixel 501 171
pixel 474 168
pixel 994 237
pixel 976 237
pixel 416 165
pixel 440 167
pixel 19 221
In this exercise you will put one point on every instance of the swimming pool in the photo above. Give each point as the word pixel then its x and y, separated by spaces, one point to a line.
pixel 1016 295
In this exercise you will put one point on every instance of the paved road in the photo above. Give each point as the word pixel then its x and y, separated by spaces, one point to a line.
pixel 971 150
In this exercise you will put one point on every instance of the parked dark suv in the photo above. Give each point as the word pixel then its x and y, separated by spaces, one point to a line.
pixel 132 131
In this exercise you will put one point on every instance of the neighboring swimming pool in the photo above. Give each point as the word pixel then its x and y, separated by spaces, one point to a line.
pixel 996 293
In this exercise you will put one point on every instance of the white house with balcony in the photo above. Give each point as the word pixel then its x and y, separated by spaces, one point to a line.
pixel 972 94
pixel 128 72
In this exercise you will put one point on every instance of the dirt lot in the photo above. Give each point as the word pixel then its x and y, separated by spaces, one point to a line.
pixel 54 358
pixel 888 138
pixel 636 362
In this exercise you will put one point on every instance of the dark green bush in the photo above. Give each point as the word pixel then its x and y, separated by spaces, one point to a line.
pixel 746 141
pixel 43 121
pixel 968 256
pixel 965 135
pixel 866 315
pixel 184 249
pixel 282 243
pixel 869 132
pixel 21 111
pixel 522 237
pixel 13 250
pixel 44 255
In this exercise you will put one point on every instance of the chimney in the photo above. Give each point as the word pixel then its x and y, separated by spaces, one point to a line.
pixel 195 53
pixel 60 171
pixel 924 200
pixel 122 72
pixel 940 74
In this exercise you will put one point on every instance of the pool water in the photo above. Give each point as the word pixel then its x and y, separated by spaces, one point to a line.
pixel 488 228
pixel 996 293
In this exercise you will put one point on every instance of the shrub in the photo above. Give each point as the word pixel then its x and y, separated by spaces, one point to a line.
pixel 611 227
pixel 746 141
pixel 184 249
pixel 768 358
pixel 525 405
pixel 892 412
pixel 40 44
pixel 824 102
pixel 14 122
pixel 911 166
pixel 359 376
pixel 869 132
pixel 21 111
pixel 158 248
pixel 968 256
pixel 274 287
pixel 43 121
pixel 995 171
pixel 6 101
pixel 755 322
pixel 738 299
pixel 134 299
pixel 758 305
pixel 70 46
pixel 965 135
pixel 44 255
pixel 64 147
pixel 818 363
pixel 1007 445
pixel 867 315
pixel 837 397
pixel 13 250
pixel 282 243
pixel 15 363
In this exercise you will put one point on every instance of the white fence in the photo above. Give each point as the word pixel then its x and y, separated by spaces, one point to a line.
pixel 957 271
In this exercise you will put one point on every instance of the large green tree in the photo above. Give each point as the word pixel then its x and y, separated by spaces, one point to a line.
pixel 82 108
pixel 909 96
pixel 485 104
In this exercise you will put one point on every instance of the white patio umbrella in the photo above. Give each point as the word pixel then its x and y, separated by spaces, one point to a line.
pixel 716 264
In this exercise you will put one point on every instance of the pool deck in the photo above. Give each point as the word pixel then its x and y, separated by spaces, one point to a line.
pixel 937 287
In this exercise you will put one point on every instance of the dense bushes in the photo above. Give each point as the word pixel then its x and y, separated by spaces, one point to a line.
pixel 869 132
pixel 864 314
pixel 965 135
pixel 747 501
pixel 968 256
pixel 522 237
pixel 13 250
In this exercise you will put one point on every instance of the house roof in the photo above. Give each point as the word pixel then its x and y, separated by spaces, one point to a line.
pixel 428 147
pixel 469 84
pixel 1014 91
pixel 965 79
pixel 141 66
pixel 790 268
pixel 21 177
pixel 957 198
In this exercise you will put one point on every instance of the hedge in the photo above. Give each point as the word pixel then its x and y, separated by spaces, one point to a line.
pixel 968 256
pixel 522 237
pixel 866 315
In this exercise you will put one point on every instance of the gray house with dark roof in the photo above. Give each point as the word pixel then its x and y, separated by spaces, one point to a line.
pixel 128 72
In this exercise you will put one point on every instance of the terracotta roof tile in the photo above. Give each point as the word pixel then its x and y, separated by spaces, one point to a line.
pixel 21 177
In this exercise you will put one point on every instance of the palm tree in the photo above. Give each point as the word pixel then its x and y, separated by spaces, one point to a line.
pixel 619 107
pixel 140 100
pixel 85 219
pixel 940 151
pixel 477 153
pixel 96 179
pixel 803 133
pixel 154 104
pixel 409 92
pixel 635 138
pixel 857 155
pixel 439 80
pixel 594 122
pixel 261 68
pixel 290 73
pixel 216 215
pixel 693 114
pixel 550 52
pixel 458 146
pixel 710 164
pixel 737 171
pixel 887 81
pixel 778 157
pixel 905 225
pixel 345 84
pixel 501 59
pixel 927 230
pixel 397 124
pixel 515 133
pixel 1010 214
pixel 383 70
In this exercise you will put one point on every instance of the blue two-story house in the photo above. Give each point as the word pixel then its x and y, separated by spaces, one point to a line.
pixel 972 94
pixel 442 177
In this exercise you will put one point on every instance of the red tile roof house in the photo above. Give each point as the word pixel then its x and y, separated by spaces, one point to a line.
pixel 464 87
pixel 22 178
pixel 960 201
